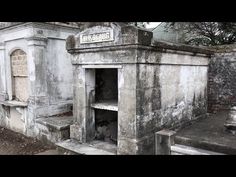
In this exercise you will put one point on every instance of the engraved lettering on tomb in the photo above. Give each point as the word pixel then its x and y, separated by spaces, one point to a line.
pixel 104 36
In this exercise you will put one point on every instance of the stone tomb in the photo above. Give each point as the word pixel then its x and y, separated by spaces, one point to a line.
pixel 127 86
pixel 36 79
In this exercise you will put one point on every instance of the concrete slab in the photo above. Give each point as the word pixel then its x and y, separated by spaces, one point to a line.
pixel 82 148
pixel 209 134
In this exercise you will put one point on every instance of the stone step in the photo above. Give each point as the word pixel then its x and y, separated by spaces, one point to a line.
pixel 74 147
pixel 179 149
pixel 54 129
pixel 206 145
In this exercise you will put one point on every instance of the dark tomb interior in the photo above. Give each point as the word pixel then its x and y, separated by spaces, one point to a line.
pixel 106 92
pixel 106 126
pixel 106 85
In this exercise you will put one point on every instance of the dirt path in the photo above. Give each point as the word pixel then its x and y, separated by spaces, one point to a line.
pixel 12 143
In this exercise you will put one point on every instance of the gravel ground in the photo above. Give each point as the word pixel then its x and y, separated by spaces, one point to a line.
pixel 12 143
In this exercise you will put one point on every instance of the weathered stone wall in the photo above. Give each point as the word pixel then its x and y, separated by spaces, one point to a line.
pixel 183 94
pixel 222 81
pixel 169 94
pixel 59 72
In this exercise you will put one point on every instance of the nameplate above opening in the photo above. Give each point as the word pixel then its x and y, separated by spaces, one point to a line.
pixel 103 36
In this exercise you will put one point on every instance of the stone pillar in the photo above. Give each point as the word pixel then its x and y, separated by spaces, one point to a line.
pixel 163 141
pixel 127 142
pixel 37 71
pixel 3 92
pixel 139 105
pixel 37 65
pixel 83 128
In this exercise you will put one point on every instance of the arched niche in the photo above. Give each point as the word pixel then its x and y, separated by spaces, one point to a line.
pixel 19 71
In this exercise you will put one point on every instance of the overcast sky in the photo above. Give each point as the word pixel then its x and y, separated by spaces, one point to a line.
pixel 152 24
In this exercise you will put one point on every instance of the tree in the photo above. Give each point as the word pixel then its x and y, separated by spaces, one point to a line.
pixel 207 33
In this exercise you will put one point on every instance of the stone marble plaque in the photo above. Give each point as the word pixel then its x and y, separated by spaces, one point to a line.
pixel 103 36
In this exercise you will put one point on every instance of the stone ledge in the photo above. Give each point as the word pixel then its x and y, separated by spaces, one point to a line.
pixel 182 47
pixel 14 103
pixel 47 25
pixel 228 48
pixel 57 123
pixel 110 48
pixel 106 105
